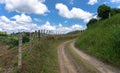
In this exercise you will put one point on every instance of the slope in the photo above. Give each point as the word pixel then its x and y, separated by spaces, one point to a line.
pixel 102 40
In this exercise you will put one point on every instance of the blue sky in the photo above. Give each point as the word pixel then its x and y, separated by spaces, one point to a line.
pixel 56 15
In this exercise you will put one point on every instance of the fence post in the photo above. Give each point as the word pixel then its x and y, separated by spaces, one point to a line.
pixel 30 42
pixel 20 52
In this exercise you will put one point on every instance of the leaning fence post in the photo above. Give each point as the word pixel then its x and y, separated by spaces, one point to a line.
pixel 20 52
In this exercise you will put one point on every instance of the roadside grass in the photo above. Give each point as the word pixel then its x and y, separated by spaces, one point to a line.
pixel 102 40
pixel 83 66
pixel 43 57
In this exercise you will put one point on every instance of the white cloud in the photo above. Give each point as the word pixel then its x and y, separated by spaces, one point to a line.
pixel 47 26
pixel 63 10
pixel 2 1
pixel 76 27
pixel 60 25
pixel 73 13
pixel 15 26
pixel 118 7
pixel 92 2
pixel 1 29
pixel 9 26
pixel 26 6
pixel 42 1
pixel 4 19
pixel 113 1
pixel 22 18
pixel 81 14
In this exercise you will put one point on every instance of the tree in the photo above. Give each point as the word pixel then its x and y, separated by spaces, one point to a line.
pixel 103 11
pixel 92 21
pixel 117 10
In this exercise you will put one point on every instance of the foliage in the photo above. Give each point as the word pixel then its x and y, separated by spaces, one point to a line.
pixel 102 40
pixel 3 33
pixel 75 32
pixel 92 21
pixel 25 37
pixel 103 11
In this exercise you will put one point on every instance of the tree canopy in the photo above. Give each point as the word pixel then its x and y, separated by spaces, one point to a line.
pixel 92 21
pixel 103 11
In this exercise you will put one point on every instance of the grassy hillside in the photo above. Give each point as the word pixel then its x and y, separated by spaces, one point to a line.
pixel 102 40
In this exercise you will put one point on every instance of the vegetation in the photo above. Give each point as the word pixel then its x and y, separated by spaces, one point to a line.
pixel 103 11
pixel 75 32
pixel 102 40
pixel 92 21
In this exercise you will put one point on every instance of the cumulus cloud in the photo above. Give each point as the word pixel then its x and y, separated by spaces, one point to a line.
pixel 113 1
pixel 26 6
pixel 22 18
pixel 0 29
pixel 118 7
pixel 64 29
pixel 76 27
pixel 10 26
pixel 24 22
pixel 63 10
pixel 47 26
pixel 42 1
pixel 92 2
pixel 15 26
pixel 2 1
pixel 73 13
pixel 4 19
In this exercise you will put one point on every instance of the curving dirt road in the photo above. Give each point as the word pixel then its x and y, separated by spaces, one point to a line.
pixel 68 65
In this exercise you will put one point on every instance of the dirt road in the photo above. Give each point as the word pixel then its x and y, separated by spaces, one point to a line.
pixel 68 65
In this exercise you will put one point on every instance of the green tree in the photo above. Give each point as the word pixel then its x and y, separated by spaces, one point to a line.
pixel 92 21
pixel 103 11
pixel 117 10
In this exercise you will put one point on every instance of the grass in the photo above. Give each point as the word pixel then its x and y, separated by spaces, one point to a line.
pixel 102 40
pixel 43 57
pixel 83 66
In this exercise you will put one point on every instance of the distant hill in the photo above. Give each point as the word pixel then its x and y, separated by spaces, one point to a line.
pixel 102 40
pixel 75 32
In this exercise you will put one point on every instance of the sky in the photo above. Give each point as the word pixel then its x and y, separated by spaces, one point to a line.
pixel 60 16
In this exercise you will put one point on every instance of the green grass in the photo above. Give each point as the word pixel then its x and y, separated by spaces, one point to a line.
pixel 43 57
pixel 102 40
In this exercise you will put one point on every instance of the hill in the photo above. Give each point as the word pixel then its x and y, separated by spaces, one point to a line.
pixel 102 40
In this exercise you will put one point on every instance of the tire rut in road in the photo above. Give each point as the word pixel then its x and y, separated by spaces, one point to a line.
pixel 67 65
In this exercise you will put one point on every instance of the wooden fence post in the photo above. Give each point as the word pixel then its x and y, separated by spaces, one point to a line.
pixel 30 42
pixel 20 52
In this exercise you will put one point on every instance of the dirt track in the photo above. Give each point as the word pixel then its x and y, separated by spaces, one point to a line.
pixel 67 65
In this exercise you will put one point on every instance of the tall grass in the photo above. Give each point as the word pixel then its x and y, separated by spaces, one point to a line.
pixel 102 40
pixel 43 58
